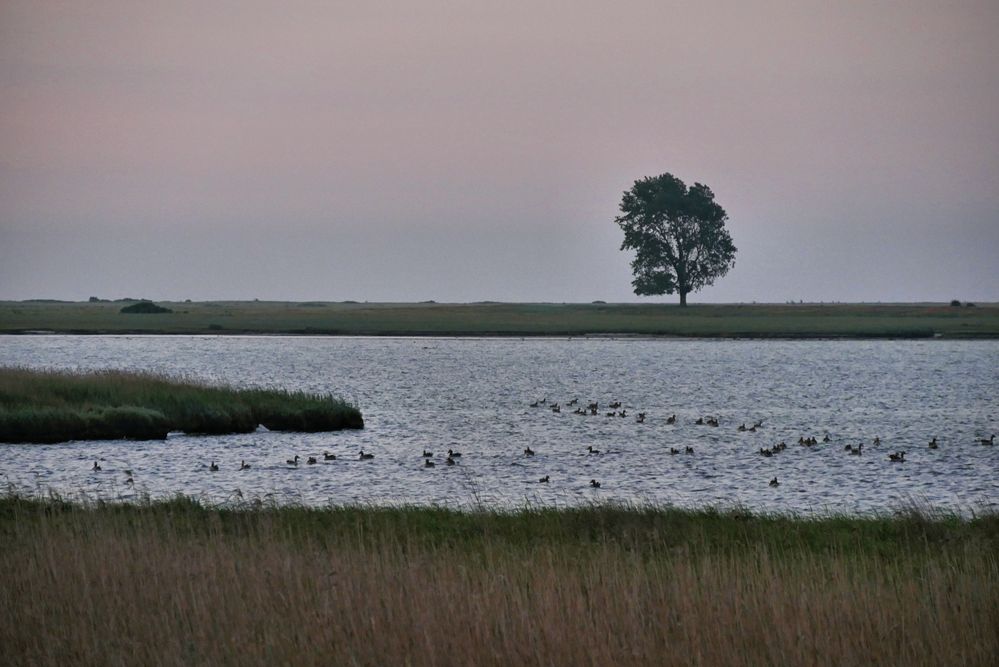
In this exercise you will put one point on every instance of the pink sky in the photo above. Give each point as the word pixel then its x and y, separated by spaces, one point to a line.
pixel 462 151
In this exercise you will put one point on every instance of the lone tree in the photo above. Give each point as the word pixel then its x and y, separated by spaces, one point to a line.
pixel 678 234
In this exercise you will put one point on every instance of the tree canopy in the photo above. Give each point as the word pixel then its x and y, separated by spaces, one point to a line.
pixel 678 235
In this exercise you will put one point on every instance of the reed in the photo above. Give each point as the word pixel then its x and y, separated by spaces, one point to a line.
pixel 179 583
pixel 55 406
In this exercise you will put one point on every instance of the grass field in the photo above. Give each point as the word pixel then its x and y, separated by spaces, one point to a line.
pixel 56 406
pixel 178 583
pixel 510 319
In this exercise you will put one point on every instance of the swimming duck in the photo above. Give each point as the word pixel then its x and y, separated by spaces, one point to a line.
pixel 535 404
pixel 364 457
pixel 615 404
pixel 689 450
pixel 674 450
pixel 671 419
pixel 897 457
pixel 825 438
pixel 428 463
pixel 528 451
pixel 556 408
pixel 311 461
pixel 573 402
pixel 213 467
pixel 988 441
pixel 589 448
pixel 129 481
pixel 243 465
pixel 858 450
pixel 451 461
pixel 595 484
pixel 774 482
pixel 700 421
pixel 640 418
pixel 96 467
pixel 294 461
pixel 544 480
pixel 453 454
pixel 742 427
pixel 933 443
pixel 877 441
pixel 329 457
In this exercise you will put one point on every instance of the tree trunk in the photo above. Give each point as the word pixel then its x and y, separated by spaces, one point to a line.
pixel 683 298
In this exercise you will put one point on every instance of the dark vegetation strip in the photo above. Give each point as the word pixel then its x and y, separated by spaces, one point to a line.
pixel 56 406
pixel 652 530
pixel 512 319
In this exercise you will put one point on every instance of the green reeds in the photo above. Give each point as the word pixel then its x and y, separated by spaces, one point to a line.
pixel 179 583
pixel 56 406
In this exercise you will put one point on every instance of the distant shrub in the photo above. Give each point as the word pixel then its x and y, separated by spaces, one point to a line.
pixel 955 302
pixel 968 304
pixel 599 302
pixel 94 299
pixel 215 326
pixel 145 307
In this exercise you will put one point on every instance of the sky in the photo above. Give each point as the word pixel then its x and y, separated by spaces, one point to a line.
pixel 467 151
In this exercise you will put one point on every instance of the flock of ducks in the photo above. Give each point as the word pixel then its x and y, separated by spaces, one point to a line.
pixel 617 410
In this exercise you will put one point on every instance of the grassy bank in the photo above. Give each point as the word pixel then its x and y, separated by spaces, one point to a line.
pixel 510 319
pixel 178 583
pixel 56 406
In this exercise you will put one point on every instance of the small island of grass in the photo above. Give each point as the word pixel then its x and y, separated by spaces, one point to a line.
pixel 56 406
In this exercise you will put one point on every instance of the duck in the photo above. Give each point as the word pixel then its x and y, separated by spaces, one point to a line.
pixel 96 467
pixel 528 451
pixel 712 421
pixel 674 450
pixel 364 457
pixel 758 424
pixel 129 481
pixel 329 457
pixel 311 461
pixel 453 454
pixel 544 480
pixel 877 441
pixel 294 461
pixel 766 452
pixel 450 461
pixel 427 463
pixel 671 419
pixel 742 427
pixel 640 418
pixel 622 413
pixel 556 408
pixel 826 438
pixel 213 467
pixel 988 441
pixel 595 484
pixel 589 448
pixel 535 404
pixel 689 450
pixel 933 443
pixel 615 404
pixel 243 465
pixel 897 457
pixel 573 402
pixel 774 482
pixel 858 450
pixel 700 421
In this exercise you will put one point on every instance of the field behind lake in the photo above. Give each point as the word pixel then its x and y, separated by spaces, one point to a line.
pixel 508 319
pixel 178 583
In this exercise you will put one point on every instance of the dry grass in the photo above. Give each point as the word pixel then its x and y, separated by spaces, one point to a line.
pixel 156 586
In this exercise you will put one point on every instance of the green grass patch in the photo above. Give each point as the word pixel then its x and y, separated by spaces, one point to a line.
pixel 513 319
pixel 56 406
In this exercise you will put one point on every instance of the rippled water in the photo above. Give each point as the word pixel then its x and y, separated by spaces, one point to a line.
pixel 473 396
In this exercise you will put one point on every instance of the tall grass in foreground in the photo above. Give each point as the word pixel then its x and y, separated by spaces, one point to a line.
pixel 176 583
pixel 55 406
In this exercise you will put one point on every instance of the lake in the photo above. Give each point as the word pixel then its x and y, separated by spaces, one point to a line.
pixel 474 396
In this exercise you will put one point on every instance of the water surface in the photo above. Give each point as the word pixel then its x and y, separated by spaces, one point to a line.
pixel 474 395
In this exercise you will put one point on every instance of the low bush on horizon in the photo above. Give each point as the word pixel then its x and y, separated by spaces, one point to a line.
pixel 56 406
pixel 176 582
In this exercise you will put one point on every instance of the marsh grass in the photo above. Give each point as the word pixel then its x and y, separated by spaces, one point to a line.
pixel 55 406
pixel 176 582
